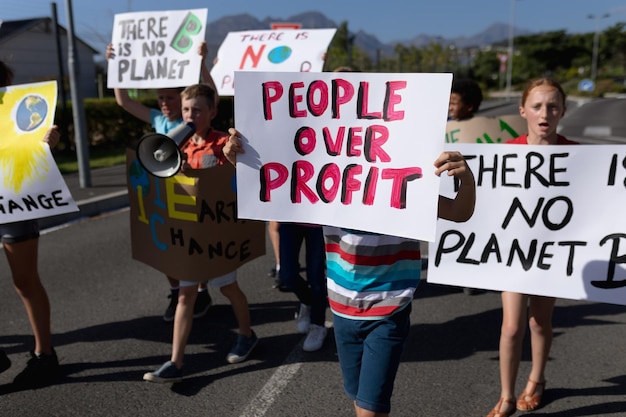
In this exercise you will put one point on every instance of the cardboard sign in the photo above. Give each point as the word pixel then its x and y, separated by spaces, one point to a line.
pixel 187 226
pixel 156 49
pixel 486 129
pixel 352 150
pixel 31 185
pixel 269 50
pixel 549 221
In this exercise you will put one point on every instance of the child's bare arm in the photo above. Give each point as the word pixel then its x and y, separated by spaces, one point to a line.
pixel 123 99
pixel 460 208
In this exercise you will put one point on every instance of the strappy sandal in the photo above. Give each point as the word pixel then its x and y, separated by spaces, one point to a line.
pixel 506 413
pixel 530 401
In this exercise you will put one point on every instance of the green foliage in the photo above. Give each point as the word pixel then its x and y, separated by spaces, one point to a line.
pixel 98 158
pixel 566 57
pixel 108 126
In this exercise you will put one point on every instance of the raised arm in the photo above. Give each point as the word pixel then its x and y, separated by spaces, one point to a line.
pixel 460 208
pixel 123 99
pixel 205 74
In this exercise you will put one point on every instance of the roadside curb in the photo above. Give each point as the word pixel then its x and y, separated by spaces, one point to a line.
pixel 88 208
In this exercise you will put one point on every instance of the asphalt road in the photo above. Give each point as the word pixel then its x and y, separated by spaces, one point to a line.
pixel 108 331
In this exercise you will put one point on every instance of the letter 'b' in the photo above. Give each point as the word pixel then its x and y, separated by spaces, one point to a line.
pixel 182 40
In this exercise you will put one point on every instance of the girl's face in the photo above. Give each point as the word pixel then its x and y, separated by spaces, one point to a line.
pixel 542 110
pixel 169 103
pixel 198 111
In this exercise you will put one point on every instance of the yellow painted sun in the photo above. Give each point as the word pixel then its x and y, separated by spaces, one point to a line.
pixel 23 159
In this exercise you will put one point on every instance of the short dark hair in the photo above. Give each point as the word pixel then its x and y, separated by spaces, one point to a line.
pixel 6 75
pixel 469 91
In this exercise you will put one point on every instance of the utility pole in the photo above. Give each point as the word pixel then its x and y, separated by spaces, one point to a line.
pixel 596 41
pixel 509 67
pixel 61 76
pixel 80 131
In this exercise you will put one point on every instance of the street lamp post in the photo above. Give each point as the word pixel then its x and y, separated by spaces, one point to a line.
pixel 509 66
pixel 596 40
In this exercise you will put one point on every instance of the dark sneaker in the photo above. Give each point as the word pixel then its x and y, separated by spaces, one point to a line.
pixel 278 284
pixel 167 373
pixel 242 349
pixel 202 305
pixel 471 291
pixel 170 311
pixel 41 370
pixel 5 362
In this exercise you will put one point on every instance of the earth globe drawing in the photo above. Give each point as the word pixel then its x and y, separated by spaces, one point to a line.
pixel 31 112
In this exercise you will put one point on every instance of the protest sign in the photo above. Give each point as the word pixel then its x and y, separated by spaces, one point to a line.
pixel 352 150
pixel 549 221
pixel 31 185
pixel 187 226
pixel 156 49
pixel 482 129
pixel 269 50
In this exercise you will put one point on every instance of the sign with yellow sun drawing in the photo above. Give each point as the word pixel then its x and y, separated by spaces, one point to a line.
pixel 31 185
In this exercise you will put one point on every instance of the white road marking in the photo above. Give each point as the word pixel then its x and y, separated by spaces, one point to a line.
pixel 272 389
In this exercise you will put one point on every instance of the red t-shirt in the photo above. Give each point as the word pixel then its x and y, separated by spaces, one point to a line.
pixel 208 154
pixel 523 140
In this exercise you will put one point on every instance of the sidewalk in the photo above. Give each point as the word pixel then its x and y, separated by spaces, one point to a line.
pixel 107 192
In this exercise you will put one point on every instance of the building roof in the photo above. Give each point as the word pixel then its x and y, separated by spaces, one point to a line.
pixel 12 28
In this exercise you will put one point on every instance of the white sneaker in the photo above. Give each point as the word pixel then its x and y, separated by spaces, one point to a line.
pixel 303 318
pixel 315 338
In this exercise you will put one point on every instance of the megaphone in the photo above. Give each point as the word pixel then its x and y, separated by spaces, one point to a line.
pixel 161 155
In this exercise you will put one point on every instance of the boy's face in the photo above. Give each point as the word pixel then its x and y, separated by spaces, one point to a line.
pixel 198 111
pixel 169 103
pixel 457 109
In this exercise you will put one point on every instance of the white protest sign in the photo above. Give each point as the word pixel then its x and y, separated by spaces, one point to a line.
pixel 352 150
pixel 31 185
pixel 549 221
pixel 156 49
pixel 269 50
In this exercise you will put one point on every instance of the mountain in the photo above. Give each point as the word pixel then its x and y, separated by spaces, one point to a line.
pixel 217 30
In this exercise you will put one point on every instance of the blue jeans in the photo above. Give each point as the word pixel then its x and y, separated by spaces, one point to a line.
pixel 369 355
pixel 312 291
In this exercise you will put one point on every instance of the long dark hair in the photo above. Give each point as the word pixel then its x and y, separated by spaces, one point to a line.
pixel 6 75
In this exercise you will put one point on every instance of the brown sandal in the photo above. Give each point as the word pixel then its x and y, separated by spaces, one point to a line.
pixel 530 401
pixel 506 413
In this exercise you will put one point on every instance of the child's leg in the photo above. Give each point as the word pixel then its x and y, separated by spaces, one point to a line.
pixel 239 302
pixel 183 320
pixel 247 340
pixel 22 257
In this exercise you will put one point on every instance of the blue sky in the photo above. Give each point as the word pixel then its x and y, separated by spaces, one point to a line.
pixel 388 20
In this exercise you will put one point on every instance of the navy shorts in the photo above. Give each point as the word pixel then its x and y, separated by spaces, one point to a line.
pixel 369 355
pixel 19 231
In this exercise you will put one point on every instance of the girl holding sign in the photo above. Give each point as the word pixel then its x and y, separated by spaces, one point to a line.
pixel 21 243
pixel 543 106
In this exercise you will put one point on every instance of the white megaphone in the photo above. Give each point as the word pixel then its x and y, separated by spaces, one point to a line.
pixel 160 154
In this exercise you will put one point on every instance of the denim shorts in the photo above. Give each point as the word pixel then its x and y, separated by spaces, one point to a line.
pixel 19 231
pixel 369 355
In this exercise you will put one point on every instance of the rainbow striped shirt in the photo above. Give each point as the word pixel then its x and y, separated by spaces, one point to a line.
pixel 370 276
